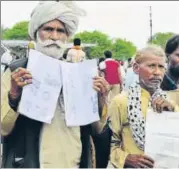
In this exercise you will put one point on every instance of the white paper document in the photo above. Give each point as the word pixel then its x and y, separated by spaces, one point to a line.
pixel 39 99
pixel 162 139
pixel 81 101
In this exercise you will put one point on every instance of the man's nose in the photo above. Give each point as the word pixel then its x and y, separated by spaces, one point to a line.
pixel 54 35
pixel 157 71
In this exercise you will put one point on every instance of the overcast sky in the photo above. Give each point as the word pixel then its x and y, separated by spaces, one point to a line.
pixel 128 19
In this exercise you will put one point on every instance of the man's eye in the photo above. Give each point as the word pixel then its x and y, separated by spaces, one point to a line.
pixel 151 66
pixel 161 67
pixel 48 29
pixel 61 30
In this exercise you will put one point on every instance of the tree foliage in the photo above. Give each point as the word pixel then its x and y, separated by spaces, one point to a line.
pixel 18 32
pixel 101 40
pixel 121 49
pixel 161 38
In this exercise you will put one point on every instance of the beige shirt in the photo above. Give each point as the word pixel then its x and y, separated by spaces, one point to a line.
pixel 60 146
pixel 75 55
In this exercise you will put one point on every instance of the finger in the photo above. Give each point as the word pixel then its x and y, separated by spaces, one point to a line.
pixel 154 103
pixel 166 106
pixel 98 78
pixel 99 82
pixel 148 158
pixel 27 76
pixel 102 89
pixel 22 78
pixel 22 84
pixel 146 163
pixel 24 72
pixel 103 82
pixel 20 74
pixel 141 165
pixel 159 104
pixel 18 70
pixel 96 88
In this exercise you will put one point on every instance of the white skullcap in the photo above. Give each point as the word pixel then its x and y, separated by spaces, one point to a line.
pixel 65 11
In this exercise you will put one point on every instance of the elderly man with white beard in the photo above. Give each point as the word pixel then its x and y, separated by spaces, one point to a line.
pixel 29 143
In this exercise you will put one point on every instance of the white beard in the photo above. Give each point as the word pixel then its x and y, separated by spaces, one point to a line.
pixel 56 51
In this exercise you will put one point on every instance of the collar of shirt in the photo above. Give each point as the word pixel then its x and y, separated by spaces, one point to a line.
pixel 108 59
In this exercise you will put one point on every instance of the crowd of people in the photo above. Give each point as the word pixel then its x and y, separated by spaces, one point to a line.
pixel 149 80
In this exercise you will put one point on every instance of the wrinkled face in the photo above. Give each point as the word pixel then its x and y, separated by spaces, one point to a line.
pixel 51 38
pixel 151 71
pixel 174 63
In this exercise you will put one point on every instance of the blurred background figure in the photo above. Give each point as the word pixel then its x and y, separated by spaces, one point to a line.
pixel 130 77
pixel 6 58
pixel 171 78
pixel 111 73
pixel 76 54
pixel 101 72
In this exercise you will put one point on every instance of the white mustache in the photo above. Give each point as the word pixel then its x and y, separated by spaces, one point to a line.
pixel 48 43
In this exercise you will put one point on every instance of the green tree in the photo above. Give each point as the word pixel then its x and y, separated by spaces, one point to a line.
pixel 18 32
pixel 123 49
pixel 161 38
pixel 101 40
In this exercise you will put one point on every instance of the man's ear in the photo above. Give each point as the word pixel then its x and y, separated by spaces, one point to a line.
pixel 136 68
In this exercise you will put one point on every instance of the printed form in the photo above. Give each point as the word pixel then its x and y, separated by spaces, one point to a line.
pixel 162 139
pixel 81 100
pixel 39 99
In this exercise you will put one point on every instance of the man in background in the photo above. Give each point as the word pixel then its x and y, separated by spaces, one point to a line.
pixel 76 54
pixel 171 78
pixel 111 73
pixel 130 77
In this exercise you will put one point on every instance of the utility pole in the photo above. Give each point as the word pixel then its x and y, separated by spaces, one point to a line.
pixel 150 15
